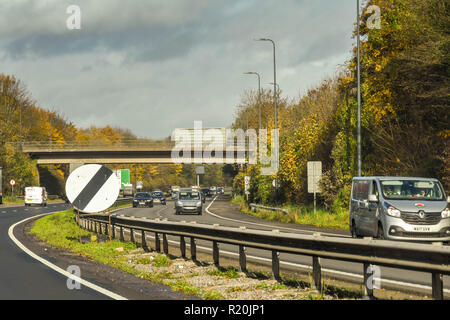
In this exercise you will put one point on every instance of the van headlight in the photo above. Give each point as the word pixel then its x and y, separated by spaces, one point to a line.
pixel 393 212
pixel 199 204
pixel 445 213
pixel 179 204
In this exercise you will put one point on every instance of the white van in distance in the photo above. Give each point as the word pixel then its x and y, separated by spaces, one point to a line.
pixel 35 195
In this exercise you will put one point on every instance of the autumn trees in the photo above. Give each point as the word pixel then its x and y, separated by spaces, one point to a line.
pixel 21 120
pixel 405 109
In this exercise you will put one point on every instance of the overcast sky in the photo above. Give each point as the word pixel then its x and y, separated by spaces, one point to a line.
pixel 152 66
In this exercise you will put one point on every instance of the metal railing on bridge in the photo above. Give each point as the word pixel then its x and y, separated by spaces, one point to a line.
pixel 129 145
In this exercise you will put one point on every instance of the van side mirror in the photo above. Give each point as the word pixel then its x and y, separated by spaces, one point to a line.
pixel 448 199
pixel 373 198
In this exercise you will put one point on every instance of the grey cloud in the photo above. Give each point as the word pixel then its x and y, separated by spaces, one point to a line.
pixel 163 64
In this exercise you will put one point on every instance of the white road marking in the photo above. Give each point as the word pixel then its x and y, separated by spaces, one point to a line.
pixel 56 268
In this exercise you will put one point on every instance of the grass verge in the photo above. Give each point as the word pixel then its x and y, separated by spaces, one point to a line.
pixel 61 231
pixel 299 215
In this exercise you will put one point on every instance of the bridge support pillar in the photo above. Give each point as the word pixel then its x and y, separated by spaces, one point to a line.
pixel 74 165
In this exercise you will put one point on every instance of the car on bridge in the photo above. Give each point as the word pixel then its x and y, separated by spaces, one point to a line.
pixel 143 199
pixel 189 201
pixel 158 196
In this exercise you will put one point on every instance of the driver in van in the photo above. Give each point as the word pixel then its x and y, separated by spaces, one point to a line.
pixel 422 194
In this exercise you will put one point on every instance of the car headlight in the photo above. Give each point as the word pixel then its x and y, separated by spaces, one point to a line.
pixel 393 212
pixel 445 213
pixel 179 204
pixel 199 204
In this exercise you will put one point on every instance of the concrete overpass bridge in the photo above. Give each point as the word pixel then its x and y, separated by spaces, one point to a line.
pixel 131 152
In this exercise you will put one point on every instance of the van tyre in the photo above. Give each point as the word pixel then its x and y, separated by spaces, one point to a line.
pixel 380 232
pixel 353 230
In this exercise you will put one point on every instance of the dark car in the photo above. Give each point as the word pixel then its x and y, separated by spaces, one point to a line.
pixel 143 199
pixel 158 196
pixel 206 192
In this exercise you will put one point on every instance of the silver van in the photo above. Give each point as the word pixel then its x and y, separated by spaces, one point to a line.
pixel 399 208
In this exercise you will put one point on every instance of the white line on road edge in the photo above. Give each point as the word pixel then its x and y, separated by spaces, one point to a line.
pixel 56 268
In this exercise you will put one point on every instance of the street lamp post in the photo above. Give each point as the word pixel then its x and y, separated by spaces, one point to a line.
pixel 259 94
pixel 278 87
pixel 275 107
pixel 359 91
pixel 274 78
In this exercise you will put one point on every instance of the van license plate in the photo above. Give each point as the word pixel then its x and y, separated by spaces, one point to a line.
pixel 422 229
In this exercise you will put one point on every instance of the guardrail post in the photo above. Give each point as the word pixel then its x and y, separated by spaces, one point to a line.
pixel 216 253
pixel 317 273
pixel 368 281
pixel 157 242
pixel 183 247
pixel 276 264
pixel 437 286
pixel 121 233
pixel 193 249
pixel 242 258
pixel 107 229
pixel 144 241
pixel 165 244
pixel 113 231
pixel 131 235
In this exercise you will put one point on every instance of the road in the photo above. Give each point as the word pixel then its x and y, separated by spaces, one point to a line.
pixel 220 211
pixel 30 271
pixel 23 277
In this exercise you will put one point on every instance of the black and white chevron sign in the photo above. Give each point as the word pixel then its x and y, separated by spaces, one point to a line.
pixel 92 188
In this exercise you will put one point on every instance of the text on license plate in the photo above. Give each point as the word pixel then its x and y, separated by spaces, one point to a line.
pixel 422 229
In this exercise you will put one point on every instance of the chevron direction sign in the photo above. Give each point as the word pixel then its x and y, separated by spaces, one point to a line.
pixel 92 188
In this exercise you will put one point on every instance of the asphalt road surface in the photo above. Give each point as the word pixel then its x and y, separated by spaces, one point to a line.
pixel 30 270
pixel 221 211
pixel 23 277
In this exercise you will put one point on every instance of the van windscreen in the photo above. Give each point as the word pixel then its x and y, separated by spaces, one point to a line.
pixel 411 190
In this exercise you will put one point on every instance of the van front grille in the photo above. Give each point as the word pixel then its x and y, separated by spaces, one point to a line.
pixel 421 234
pixel 429 218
